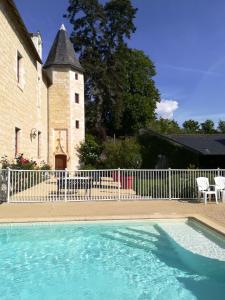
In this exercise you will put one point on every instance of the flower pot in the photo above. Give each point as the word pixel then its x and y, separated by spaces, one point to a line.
pixel 126 182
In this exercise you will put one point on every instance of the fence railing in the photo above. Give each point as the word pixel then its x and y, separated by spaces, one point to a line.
pixel 85 185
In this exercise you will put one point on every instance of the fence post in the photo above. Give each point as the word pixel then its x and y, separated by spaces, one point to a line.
pixel 119 183
pixel 218 171
pixel 170 187
pixel 65 178
pixel 8 184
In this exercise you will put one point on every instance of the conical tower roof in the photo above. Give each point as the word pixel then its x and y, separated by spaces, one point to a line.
pixel 62 52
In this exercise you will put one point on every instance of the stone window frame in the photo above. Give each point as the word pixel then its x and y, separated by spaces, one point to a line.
pixel 19 69
pixel 77 98
pixel 19 59
pixel 17 140
pixel 39 136
pixel 77 124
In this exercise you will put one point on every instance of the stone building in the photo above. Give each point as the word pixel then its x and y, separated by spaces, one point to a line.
pixel 42 105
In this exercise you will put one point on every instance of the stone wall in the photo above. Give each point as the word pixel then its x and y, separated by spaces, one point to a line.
pixel 64 137
pixel 37 103
pixel 77 114
pixel 24 104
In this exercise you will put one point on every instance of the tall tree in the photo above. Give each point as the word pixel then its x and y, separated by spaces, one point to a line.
pixel 99 34
pixel 208 127
pixel 191 126
pixel 165 126
pixel 221 126
pixel 140 94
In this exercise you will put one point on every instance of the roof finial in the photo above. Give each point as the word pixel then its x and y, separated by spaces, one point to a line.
pixel 63 27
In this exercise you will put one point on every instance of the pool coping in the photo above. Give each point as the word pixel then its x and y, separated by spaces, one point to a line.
pixel 196 217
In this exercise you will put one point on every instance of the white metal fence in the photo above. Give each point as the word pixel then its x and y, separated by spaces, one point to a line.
pixel 119 184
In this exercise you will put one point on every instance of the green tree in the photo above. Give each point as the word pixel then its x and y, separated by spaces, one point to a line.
pixel 207 127
pixel 90 152
pixel 191 126
pixel 140 94
pixel 221 126
pixel 99 34
pixel 165 126
pixel 122 154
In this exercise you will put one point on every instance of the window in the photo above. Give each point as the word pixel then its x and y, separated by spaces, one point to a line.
pixel 39 144
pixel 77 124
pixel 76 76
pixel 17 133
pixel 19 67
pixel 77 98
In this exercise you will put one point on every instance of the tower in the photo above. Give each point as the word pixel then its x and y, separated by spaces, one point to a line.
pixel 66 124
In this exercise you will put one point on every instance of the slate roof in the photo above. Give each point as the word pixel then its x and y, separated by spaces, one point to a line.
pixel 206 144
pixel 62 52
pixel 18 21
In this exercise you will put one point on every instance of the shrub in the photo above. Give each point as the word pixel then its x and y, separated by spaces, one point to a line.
pixel 124 154
pixel 90 152
pixel 22 163
pixel 44 166
pixel 89 167
pixel 29 179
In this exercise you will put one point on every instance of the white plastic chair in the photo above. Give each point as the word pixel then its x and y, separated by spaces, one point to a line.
pixel 220 186
pixel 204 189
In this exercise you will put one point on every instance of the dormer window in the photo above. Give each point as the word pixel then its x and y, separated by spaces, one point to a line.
pixel 19 67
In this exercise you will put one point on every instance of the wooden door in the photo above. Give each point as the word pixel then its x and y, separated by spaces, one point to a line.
pixel 60 162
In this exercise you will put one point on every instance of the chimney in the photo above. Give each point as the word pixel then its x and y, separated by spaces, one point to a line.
pixel 37 40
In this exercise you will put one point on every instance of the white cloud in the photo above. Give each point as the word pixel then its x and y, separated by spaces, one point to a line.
pixel 166 108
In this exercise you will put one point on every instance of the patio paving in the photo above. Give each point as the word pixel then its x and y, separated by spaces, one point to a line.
pixel 47 191
pixel 211 214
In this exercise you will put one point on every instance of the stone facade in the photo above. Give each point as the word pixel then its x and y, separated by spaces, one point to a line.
pixel 64 137
pixel 36 103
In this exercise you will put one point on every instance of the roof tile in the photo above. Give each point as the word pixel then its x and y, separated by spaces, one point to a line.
pixel 62 52
pixel 206 144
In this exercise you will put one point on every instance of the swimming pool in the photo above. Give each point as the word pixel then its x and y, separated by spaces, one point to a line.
pixel 111 261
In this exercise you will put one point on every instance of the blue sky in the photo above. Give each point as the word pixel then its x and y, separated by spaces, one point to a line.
pixel 184 38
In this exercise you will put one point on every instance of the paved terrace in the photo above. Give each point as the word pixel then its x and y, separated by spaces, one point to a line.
pixel 210 214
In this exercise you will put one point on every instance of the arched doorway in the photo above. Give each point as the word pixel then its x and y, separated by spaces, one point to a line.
pixel 60 162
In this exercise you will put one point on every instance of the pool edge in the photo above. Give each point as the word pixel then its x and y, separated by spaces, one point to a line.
pixel 208 223
pixel 203 220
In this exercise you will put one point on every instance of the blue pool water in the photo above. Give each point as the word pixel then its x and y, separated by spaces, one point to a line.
pixel 111 261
